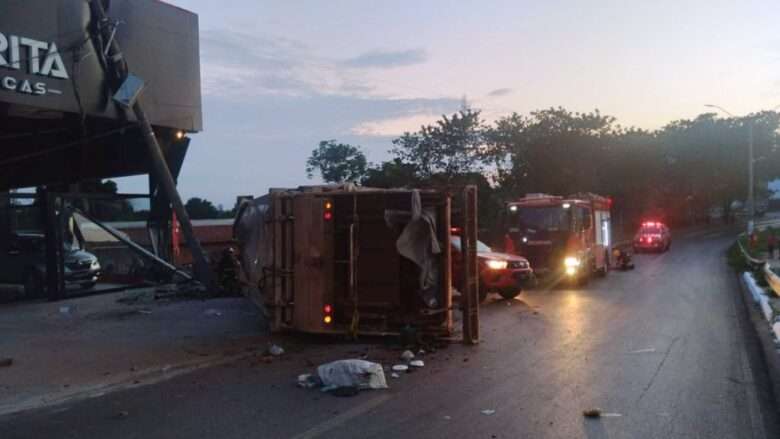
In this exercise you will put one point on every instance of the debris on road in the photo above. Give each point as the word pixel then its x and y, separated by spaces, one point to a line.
pixel 488 412
pixel 352 373
pixel 275 350
pixel 64 310
pixel 395 375
pixel 144 311
pixel 417 363
pixel 592 413
pixel 212 312
pixel 643 351
pixel 407 356
pixel 309 381
pixel 6 362
pixel 122 415
pixel 400 368
pixel 447 418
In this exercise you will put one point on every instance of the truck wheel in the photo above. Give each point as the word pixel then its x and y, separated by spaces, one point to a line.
pixel 510 293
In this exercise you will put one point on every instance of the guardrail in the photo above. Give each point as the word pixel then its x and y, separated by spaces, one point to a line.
pixel 771 277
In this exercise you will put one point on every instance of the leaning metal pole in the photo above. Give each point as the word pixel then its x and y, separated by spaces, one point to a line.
pixel 117 72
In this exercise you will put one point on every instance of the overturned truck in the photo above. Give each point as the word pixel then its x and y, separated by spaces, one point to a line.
pixel 343 259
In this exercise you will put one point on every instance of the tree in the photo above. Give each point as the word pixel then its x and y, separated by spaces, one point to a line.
pixel 391 174
pixel 450 147
pixel 199 208
pixel 337 162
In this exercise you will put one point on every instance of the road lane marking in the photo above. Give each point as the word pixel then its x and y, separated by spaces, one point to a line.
pixel 341 419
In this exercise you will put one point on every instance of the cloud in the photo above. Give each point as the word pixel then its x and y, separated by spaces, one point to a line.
pixel 500 92
pixel 383 59
pixel 240 65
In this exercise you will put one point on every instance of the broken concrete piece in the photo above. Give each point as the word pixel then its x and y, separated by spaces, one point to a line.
pixel 488 412
pixel 407 356
pixel 416 363
pixel 275 350
pixel 400 368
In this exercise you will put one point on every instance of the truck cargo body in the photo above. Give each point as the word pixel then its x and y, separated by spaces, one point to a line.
pixel 336 264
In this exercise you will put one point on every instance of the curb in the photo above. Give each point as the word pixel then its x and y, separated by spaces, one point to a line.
pixel 765 348
pixel 135 380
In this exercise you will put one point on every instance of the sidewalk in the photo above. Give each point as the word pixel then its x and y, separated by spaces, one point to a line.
pixel 85 347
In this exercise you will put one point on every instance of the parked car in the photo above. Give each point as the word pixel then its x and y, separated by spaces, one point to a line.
pixel 24 263
pixel 652 235
pixel 503 273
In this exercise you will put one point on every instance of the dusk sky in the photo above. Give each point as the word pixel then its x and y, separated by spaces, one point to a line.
pixel 278 77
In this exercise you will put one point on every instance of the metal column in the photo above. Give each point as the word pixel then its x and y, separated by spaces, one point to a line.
pixel 117 73
pixel 470 269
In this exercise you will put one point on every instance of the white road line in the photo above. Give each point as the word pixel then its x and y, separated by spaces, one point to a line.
pixel 336 421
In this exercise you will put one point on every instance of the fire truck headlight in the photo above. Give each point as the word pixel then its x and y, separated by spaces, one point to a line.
pixel 496 265
pixel 571 262
pixel 571 271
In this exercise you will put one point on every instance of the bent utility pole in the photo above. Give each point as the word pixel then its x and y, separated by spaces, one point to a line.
pixel 117 73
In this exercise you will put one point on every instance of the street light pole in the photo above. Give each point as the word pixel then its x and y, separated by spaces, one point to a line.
pixel 751 209
pixel 751 180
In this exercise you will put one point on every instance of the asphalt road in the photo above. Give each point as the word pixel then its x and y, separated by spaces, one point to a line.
pixel 664 351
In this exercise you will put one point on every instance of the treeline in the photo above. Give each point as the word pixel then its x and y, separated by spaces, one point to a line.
pixel 677 172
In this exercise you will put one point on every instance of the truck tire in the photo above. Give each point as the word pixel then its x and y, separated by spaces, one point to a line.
pixel 510 293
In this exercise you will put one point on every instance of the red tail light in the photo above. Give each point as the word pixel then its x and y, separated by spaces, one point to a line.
pixel 328 317
pixel 327 213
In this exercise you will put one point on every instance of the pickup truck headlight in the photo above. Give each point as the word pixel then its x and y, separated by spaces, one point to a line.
pixel 496 265
pixel 572 262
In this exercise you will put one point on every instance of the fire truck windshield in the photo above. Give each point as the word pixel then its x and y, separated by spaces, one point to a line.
pixel 549 218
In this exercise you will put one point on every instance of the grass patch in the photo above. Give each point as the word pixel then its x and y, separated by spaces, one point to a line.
pixel 758 249
pixel 736 259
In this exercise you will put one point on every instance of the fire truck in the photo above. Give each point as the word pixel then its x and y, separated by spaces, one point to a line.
pixel 566 237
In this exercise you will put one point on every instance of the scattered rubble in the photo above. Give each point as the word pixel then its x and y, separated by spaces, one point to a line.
pixel 488 412
pixel 417 363
pixel 592 413
pixel 122 415
pixel 395 375
pixel 400 368
pixel 212 312
pixel 275 350
pixel 407 356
